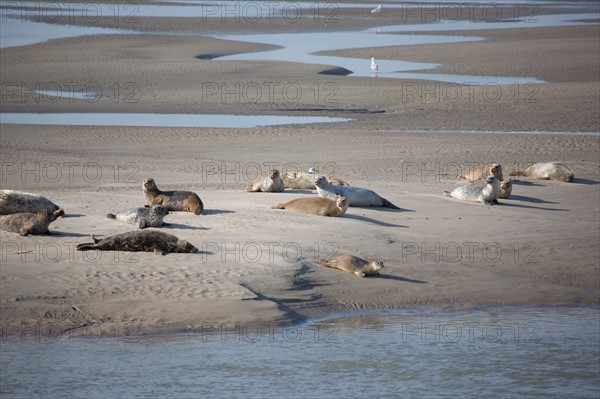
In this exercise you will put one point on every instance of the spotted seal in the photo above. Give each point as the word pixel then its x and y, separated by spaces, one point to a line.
pixel 355 196
pixel 142 217
pixel 271 183
pixel 140 241
pixel 487 194
pixel 12 201
pixel 316 206
pixel 482 171
pixel 353 264
pixel 185 201
pixel 546 171
pixel 28 223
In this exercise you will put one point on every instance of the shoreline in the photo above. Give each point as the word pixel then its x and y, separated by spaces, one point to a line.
pixel 437 252
pixel 129 332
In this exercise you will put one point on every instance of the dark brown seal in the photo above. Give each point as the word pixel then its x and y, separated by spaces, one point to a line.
pixel 140 241
pixel 185 201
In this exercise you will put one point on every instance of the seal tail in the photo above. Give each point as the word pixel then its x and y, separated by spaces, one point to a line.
pixel 388 204
pixel 111 216
pixel 278 206
pixel 448 193
pixel 86 246
pixel 322 262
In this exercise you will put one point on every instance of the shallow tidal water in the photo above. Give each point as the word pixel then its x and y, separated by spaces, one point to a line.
pixel 516 353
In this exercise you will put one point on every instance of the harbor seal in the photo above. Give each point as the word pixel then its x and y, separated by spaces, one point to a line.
pixel 12 201
pixel 140 241
pixel 487 194
pixel 185 201
pixel 546 171
pixel 316 206
pixel 482 171
pixel 28 223
pixel 353 264
pixel 142 217
pixel 505 189
pixel 271 183
pixel 306 181
pixel 355 196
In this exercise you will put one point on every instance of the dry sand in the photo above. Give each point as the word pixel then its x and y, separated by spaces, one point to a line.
pixel 538 248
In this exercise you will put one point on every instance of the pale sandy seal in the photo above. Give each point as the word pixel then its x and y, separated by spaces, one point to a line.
pixel 28 223
pixel 353 264
pixel 140 241
pixel 355 196
pixel 12 201
pixel 546 171
pixel 271 183
pixel 316 206
pixel 482 171
pixel 141 217
pixel 505 189
pixel 185 201
pixel 487 194
pixel 306 181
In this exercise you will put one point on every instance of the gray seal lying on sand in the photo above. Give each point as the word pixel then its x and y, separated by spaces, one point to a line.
pixel 185 201
pixel 12 201
pixel 504 190
pixel 28 223
pixel 140 241
pixel 141 217
pixel 306 181
pixel 353 264
pixel 355 196
pixel 316 206
pixel 487 194
pixel 482 171
pixel 546 171
pixel 271 183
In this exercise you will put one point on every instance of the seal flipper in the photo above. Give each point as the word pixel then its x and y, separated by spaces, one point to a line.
pixel 86 246
pixel 278 206
pixel 25 229
pixel 388 204
pixel 111 216
pixel 448 193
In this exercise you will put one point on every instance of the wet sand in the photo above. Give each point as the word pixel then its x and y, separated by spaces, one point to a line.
pixel 538 248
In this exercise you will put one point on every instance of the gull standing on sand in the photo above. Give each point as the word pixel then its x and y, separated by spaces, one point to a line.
pixel 374 66
pixel 376 10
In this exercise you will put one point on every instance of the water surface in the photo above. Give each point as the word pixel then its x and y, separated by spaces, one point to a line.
pixel 516 353
pixel 160 120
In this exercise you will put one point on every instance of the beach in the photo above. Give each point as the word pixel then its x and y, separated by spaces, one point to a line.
pixel 408 140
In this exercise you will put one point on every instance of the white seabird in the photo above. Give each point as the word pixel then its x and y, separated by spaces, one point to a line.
pixel 374 66
pixel 376 10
